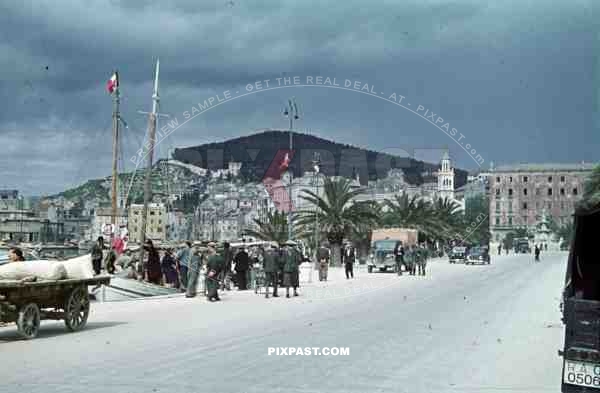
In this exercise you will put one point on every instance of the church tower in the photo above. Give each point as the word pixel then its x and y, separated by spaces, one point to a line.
pixel 446 177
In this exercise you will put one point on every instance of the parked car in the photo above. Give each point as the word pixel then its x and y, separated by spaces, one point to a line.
pixel 382 258
pixel 478 255
pixel 458 255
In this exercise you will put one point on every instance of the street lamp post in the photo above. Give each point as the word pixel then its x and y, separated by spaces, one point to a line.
pixel 316 167
pixel 291 111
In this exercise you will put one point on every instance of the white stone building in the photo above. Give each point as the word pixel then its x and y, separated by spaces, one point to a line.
pixel 156 222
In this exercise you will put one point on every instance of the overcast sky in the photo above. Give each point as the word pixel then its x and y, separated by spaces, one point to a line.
pixel 516 78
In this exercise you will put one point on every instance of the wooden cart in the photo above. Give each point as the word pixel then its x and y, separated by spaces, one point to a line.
pixel 27 303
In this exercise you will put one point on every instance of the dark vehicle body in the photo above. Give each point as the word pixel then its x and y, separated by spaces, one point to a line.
pixel 521 246
pixel 478 255
pixel 382 257
pixel 458 255
pixel 581 306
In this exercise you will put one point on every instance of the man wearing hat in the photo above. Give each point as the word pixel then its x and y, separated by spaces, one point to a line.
pixel 183 262
pixel 193 272
pixel 323 262
pixel 215 265
pixel 271 266
pixel 291 266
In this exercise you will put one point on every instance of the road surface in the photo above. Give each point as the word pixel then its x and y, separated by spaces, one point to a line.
pixel 462 328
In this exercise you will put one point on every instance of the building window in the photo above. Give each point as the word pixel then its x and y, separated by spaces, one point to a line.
pixel 510 208
pixel 549 205
pixel 510 179
pixel 524 218
pixel 549 179
pixel 509 220
pixel 575 191
pixel 537 191
pixel 549 192
pixel 525 179
pixel 524 205
pixel 497 220
pixel 524 191
pixel 151 213
pixel 562 205
pixel 562 191
pixel 510 192
pixel 497 191
pixel 562 179
pixel 497 206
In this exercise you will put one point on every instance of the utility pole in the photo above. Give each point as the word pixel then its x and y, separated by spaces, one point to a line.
pixel 151 137
pixel 291 111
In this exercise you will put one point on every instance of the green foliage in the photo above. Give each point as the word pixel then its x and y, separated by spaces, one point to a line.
pixel 591 189
pixel 338 216
pixel 274 228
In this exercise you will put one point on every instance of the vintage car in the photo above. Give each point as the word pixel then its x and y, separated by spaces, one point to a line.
pixel 478 255
pixel 581 306
pixel 382 257
pixel 458 255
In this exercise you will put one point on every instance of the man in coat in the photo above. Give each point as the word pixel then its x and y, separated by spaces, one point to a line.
pixel 271 266
pixel 323 262
pixel 242 263
pixel 193 272
pixel 399 256
pixel 215 266
pixel 291 268
pixel 228 256
pixel 182 260
pixel 348 257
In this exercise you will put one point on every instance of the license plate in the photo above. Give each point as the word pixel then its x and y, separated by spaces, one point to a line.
pixel 582 373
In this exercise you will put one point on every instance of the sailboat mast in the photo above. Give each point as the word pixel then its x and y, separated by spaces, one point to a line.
pixel 151 138
pixel 115 157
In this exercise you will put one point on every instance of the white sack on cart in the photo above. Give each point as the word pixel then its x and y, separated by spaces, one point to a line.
pixel 79 268
pixel 42 269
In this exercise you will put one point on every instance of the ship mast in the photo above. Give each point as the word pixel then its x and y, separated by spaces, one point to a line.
pixel 152 134
pixel 115 158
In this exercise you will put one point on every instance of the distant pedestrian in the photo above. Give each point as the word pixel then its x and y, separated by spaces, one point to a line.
pixel 215 265
pixel 399 257
pixel 349 259
pixel 323 254
pixel 152 269
pixel 537 253
pixel 499 249
pixel 271 267
pixel 169 269
pixel 183 262
pixel 292 260
pixel 194 272
pixel 242 264
pixel 97 255
pixel 226 273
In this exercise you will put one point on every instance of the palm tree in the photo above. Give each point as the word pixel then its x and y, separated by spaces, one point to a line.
pixel 415 213
pixel 274 228
pixel 337 213
pixel 591 192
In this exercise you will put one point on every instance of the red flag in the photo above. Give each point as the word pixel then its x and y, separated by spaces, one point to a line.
pixel 113 83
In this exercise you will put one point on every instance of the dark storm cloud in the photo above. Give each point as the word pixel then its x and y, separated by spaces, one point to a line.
pixel 446 54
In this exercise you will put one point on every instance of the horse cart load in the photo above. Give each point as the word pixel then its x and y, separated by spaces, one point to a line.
pixel 32 291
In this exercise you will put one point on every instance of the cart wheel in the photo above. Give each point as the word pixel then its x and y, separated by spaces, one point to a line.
pixel 77 309
pixel 28 323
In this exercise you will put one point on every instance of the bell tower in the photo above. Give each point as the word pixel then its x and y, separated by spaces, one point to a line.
pixel 446 177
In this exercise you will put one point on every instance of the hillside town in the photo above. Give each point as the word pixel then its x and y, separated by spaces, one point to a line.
pixel 519 196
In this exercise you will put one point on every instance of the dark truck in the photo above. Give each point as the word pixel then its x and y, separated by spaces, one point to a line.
pixel 581 306
pixel 521 245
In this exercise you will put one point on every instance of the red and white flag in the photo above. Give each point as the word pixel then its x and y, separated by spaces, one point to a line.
pixel 113 83
pixel 286 162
